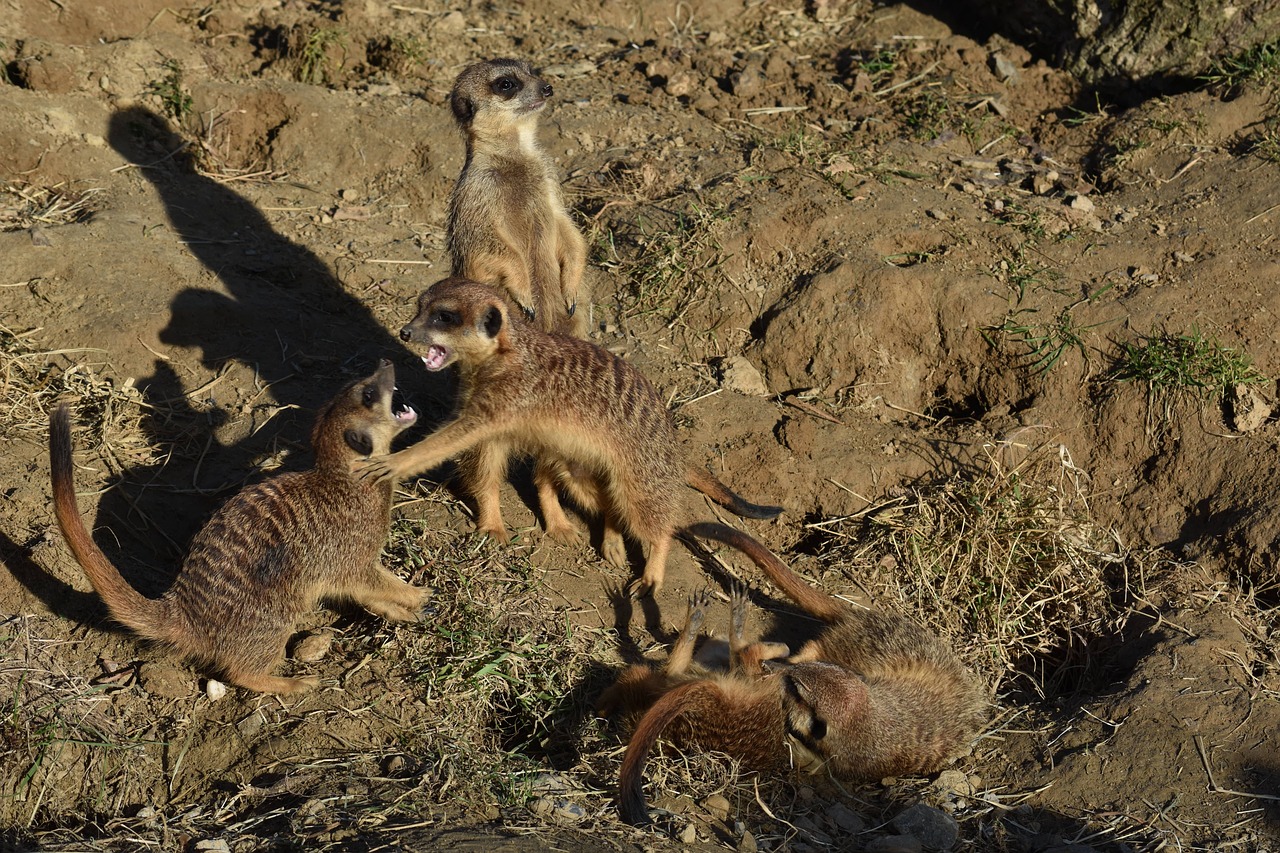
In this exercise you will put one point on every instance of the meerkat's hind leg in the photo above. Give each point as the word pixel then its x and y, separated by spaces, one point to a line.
pixel 747 658
pixel 682 650
pixel 264 683
pixel 383 594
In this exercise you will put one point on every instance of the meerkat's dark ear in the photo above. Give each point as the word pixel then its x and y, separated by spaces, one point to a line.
pixel 463 108
pixel 492 321
pixel 360 442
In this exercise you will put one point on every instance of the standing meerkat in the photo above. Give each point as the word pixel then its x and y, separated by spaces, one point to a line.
pixel 874 695
pixel 271 552
pixel 523 390
pixel 507 221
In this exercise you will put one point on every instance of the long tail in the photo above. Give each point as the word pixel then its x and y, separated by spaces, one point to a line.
pixel 812 601
pixel 671 707
pixel 127 606
pixel 705 482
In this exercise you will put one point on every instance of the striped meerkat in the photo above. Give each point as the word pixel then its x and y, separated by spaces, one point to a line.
pixel 271 552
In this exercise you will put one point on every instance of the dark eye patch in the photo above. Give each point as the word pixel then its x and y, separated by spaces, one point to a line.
pixel 369 396
pixel 442 317
pixel 506 86
pixel 817 726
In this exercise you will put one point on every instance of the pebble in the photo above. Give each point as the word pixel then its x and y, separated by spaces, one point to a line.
pixel 214 845
pixel 1081 203
pixel 717 805
pixel 935 829
pixel 311 646
pixel 893 844
pixel 739 374
pixel 845 818
pixel 560 810
pixel 689 834
pixel 954 782
pixel 251 725
pixel 748 843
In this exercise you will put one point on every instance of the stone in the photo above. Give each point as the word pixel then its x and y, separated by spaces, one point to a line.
pixel 717 806
pixel 893 844
pixel 845 819
pixel 1249 408
pixel 935 829
pixel 311 646
pixel 740 375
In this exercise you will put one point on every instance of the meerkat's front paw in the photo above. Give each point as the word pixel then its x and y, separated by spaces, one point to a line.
pixel 378 469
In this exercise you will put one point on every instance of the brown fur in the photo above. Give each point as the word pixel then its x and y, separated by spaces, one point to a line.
pixel 271 552
pixel 522 390
pixel 874 695
pixel 507 221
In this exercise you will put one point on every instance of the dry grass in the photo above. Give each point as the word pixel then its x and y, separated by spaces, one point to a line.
pixel 33 380
pixel 1006 564
pixel 25 205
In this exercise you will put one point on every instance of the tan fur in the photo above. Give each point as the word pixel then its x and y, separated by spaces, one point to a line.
pixel 507 221
pixel 874 695
pixel 271 552
pixel 521 390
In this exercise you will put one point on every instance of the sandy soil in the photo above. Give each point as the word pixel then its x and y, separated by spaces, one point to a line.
pixel 931 249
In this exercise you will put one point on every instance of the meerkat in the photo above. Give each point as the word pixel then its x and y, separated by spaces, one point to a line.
pixel 507 221
pixel 874 695
pixel 271 552
pixel 523 390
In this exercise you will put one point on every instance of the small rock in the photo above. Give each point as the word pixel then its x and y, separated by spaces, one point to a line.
pixel 1005 68
pixel 1249 409
pixel 311 646
pixel 940 215
pixel 454 22
pixel 893 844
pixel 393 765
pixel 213 845
pixel 146 813
pixel 935 829
pixel 39 237
pixel 748 843
pixel 717 806
pixel 1081 203
pixel 214 689
pixel 845 818
pixel 251 724
pixel 739 374
pixel 559 810
pixel 953 782
pixel 689 834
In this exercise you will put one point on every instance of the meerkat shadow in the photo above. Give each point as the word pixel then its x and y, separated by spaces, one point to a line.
pixel 278 310
pixel 58 596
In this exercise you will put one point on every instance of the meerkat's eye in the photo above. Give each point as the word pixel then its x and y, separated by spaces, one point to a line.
pixel 505 86
pixel 441 317
pixel 369 396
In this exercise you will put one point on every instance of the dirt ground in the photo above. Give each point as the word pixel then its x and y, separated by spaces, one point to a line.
pixel 873 257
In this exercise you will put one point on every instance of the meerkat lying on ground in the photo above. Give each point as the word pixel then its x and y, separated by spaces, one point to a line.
pixel 523 390
pixel 271 552
pixel 874 695
pixel 507 221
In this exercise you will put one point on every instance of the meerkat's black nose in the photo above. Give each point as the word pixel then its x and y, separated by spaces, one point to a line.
pixel 546 90
pixel 406 334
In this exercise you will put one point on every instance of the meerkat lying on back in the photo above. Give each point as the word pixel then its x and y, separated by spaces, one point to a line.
pixel 271 552
pixel 874 695
pixel 507 221
pixel 523 390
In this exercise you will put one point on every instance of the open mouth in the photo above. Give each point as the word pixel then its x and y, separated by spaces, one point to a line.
pixel 400 410
pixel 436 357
